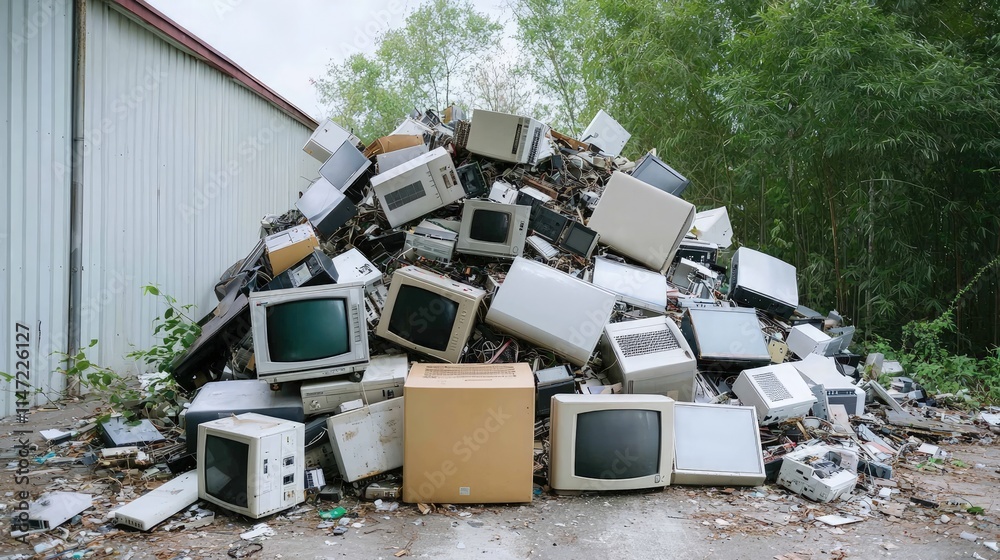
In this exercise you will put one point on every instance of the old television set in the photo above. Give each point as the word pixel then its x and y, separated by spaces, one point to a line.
pixel 251 464
pixel 429 313
pixel 653 171
pixel 325 206
pixel 552 309
pixel 506 137
pixel 345 165
pixel 634 285
pixel 640 221
pixel 725 338
pixel 605 133
pixel 326 139
pixel 765 282
pixel 578 239
pixel 610 442
pixel 417 187
pixel 492 229
pixel 649 356
pixel 306 333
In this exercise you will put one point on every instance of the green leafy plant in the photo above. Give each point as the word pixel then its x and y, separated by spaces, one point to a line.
pixel 99 379
pixel 175 329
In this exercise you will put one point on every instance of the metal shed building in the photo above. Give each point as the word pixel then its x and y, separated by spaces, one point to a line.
pixel 133 153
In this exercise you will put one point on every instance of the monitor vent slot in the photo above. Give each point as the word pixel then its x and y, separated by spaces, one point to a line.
pixel 536 139
pixel 478 372
pixel 772 388
pixel 405 195
pixel 649 342
pixel 462 129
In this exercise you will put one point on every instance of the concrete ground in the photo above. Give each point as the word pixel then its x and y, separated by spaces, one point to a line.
pixel 679 522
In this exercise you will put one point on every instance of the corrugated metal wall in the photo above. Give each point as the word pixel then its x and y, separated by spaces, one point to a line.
pixel 180 163
pixel 35 100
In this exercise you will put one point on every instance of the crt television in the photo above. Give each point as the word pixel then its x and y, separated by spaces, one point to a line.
pixel 304 333
pixel 610 442
pixel 493 230
pixel 652 170
pixel 429 313
pixel 251 464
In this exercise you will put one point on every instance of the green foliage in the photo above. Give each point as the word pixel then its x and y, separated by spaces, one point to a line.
pixel 99 379
pixel 425 64
pixel 175 329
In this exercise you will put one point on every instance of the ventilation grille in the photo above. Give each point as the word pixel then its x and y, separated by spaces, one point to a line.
pixel 772 388
pixel 478 372
pixel 535 140
pixel 649 342
pixel 404 195
pixel 462 129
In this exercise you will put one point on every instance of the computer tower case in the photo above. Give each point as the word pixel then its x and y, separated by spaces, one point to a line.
pixel 315 270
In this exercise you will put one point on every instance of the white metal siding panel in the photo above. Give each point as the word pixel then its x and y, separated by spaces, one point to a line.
pixel 180 164
pixel 35 143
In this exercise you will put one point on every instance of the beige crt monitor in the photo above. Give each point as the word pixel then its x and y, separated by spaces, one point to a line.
pixel 429 313
pixel 610 442
pixel 641 221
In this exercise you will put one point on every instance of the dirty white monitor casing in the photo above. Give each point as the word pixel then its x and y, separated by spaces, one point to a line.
pixel 717 445
pixel 52 509
pixel 687 269
pixel 417 187
pixel 383 380
pixel 635 285
pixel 506 137
pixel 476 214
pixel 777 392
pixel 605 132
pixel 551 309
pixel 764 282
pixel 714 226
pixel 649 356
pixel 840 389
pixel 806 471
pixel 806 339
pixel 325 206
pixel 641 221
pixel 150 509
pixel 353 267
pixel 368 441
pixel 395 158
pixel 325 139
pixel 272 472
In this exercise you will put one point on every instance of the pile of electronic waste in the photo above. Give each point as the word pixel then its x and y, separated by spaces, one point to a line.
pixel 467 311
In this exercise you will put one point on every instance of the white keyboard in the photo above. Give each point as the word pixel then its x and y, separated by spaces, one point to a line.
pixel 542 247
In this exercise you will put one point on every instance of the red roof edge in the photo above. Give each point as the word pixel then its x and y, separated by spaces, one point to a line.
pixel 204 52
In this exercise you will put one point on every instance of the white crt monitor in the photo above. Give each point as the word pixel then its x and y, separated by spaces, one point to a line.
pixel 634 285
pixel 610 442
pixel 417 187
pixel 506 137
pixel 606 133
pixel 551 309
pixel 429 313
pixel 714 226
pixel 327 137
pixel 641 221
pixel 493 230
pixel 251 464
pixel 305 333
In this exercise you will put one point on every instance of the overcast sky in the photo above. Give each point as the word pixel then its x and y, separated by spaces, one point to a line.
pixel 284 43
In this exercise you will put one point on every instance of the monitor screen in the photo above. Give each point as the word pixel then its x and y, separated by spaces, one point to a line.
pixel 661 176
pixel 342 165
pixel 579 239
pixel 305 330
pixel 226 466
pixel 617 444
pixel 423 317
pixel 490 226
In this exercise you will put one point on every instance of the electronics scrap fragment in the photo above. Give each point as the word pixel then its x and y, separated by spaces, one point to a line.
pixel 545 302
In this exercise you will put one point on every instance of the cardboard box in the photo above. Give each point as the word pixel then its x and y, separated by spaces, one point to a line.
pixel 469 433
pixel 286 248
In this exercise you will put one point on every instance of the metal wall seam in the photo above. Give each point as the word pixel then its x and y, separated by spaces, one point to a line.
pixel 35 97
